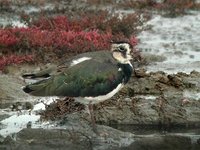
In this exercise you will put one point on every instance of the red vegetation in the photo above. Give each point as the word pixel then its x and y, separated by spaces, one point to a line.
pixel 7 38
pixel 88 22
pixel 172 7
pixel 140 4
pixel 177 6
pixel 60 36
pixel 67 41
pixel 70 41
pixel 14 59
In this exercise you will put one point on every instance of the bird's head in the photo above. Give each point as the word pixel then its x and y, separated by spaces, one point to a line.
pixel 121 51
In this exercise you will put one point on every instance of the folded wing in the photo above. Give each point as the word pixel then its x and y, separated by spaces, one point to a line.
pixel 89 78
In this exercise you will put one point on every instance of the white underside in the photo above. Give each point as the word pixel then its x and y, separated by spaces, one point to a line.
pixel 94 100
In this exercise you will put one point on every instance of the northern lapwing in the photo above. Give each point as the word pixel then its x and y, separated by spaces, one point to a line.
pixel 90 77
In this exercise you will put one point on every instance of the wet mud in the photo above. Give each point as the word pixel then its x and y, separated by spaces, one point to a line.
pixel 156 101
pixel 161 97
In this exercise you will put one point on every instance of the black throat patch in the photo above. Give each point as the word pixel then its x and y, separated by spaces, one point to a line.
pixel 127 70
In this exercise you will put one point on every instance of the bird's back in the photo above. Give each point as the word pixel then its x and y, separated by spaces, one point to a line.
pixel 93 77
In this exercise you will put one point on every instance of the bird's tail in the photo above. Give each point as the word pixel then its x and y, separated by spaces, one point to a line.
pixel 40 88
pixel 41 74
pixel 34 76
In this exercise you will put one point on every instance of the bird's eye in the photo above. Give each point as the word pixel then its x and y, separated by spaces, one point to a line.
pixel 121 48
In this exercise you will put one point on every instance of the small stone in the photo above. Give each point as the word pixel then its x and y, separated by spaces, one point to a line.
pixel 175 81
pixel 195 73
pixel 198 141
pixel 178 53
pixel 127 99
pixel 29 124
pixel 140 72
pixel 28 106
pixel 191 56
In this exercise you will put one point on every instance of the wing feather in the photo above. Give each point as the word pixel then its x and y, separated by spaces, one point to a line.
pixel 89 78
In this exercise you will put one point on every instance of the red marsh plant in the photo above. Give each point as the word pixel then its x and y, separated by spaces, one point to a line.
pixel 60 43
pixel 14 59
pixel 138 4
pixel 171 7
pixel 102 21
pixel 7 38
pixel 175 8
pixel 59 40
pixel 5 5
pixel 69 41
pixel 60 36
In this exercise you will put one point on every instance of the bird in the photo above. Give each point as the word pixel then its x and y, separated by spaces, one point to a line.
pixel 89 78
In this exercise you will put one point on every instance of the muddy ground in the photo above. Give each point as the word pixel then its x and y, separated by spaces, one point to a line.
pixel 158 109
pixel 157 101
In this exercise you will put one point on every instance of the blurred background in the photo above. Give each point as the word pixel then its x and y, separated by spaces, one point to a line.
pixel 158 109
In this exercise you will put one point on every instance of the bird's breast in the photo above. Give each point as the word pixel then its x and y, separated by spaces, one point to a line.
pixel 100 98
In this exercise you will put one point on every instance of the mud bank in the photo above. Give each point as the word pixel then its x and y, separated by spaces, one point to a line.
pixel 142 116
pixel 175 39
pixel 155 99
pixel 159 100
pixel 111 139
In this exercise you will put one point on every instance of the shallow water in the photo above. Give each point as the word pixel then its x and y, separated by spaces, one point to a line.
pixel 175 38
pixel 18 120
pixel 158 130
